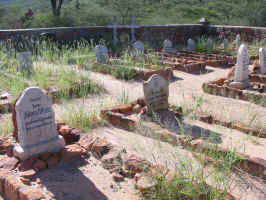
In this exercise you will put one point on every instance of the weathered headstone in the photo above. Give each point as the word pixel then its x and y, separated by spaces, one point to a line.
pixel 191 45
pixel 102 54
pixel 25 62
pixel 226 43
pixel 138 48
pixel 262 58
pixel 167 46
pixel 241 72
pixel 156 93
pixel 35 122
pixel 238 41
pixel 210 43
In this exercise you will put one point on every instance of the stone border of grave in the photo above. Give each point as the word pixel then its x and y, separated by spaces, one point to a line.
pixel 6 104
pixel 80 145
pixel 142 74
pixel 218 87
pixel 259 78
pixel 210 119
pixel 119 116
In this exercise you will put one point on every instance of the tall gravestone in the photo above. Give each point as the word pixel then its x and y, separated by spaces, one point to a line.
pixel 262 58
pixel 226 43
pixel 35 122
pixel 168 46
pixel 25 62
pixel 101 54
pixel 138 48
pixel 156 93
pixel 241 72
pixel 191 45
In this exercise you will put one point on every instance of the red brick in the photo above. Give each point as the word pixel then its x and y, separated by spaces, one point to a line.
pixel 12 186
pixel 53 161
pixel 71 152
pixel 29 193
pixel 28 174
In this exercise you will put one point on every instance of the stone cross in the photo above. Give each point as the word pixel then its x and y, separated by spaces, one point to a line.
pixel 35 122
pixel 191 45
pixel 138 48
pixel 262 58
pixel 238 41
pixel 168 46
pixel 132 28
pixel 114 27
pixel 25 62
pixel 156 93
pixel 102 54
pixel 241 72
pixel 210 43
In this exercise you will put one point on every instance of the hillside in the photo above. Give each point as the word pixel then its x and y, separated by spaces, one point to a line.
pixel 101 12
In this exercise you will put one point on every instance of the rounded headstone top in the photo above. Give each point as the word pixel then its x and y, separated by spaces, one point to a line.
pixel 204 21
pixel 167 44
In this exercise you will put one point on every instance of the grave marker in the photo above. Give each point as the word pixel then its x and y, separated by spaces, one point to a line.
pixel 191 45
pixel 138 48
pixel 226 43
pixel 238 41
pixel 210 43
pixel 156 93
pixel 102 54
pixel 25 62
pixel 262 58
pixel 35 122
pixel 167 46
pixel 241 72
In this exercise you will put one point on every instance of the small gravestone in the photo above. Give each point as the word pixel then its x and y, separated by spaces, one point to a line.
pixel 25 62
pixel 191 45
pixel 156 93
pixel 238 41
pixel 262 57
pixel 241 72
pixel 210 43
pixel 138 48
pixel 35 122
pixel 168 46
pixel 102 54
pixel 226 43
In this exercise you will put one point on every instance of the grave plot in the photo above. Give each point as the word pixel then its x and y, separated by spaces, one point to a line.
pixel 153 117
pixel 192 61
pixel 240 83
pixel 57 82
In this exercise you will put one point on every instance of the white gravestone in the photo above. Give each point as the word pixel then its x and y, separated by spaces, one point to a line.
pixel 35 119
pixel 241 72
pixel 156 93
pixel 167 46
pixel 101 54
pixel 25 61
pixel 138 48
pixel 238 41
pixel 262 57
pixel 191 45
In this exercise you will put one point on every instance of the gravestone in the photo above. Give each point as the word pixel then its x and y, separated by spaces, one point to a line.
pixel 124 37
pixel 35 122
pixel 25 62
pixel 226 43
pixel 262 58
pixel 241 71
pixel 138 48
pixel 167 46
pixel 191 45
pixel 238 41
pixel 102 54
pixel 210 43
pixel 156 93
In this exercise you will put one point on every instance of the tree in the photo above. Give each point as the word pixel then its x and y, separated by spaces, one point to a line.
pixel 56 6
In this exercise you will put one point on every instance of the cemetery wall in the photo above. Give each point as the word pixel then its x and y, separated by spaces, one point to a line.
pixel 156 34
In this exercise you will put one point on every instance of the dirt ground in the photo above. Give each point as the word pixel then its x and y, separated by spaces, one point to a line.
pixel 88 180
